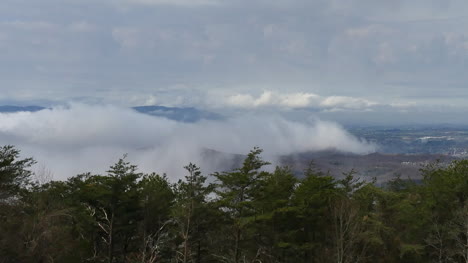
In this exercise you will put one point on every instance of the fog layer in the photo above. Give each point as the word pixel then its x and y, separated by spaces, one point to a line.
pixel 82 138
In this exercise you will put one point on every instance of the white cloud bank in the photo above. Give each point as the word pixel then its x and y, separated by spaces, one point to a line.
pixel 299 100
pixel 268 98
pixel 82 138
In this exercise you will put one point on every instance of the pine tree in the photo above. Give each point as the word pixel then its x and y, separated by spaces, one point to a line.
pixel 236 191
pixel 191 213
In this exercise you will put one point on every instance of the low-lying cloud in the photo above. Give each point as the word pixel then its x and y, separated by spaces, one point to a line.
pixel 82 138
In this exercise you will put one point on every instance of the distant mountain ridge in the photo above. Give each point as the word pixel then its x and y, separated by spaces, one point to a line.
pixel 12 109
pixel 188 114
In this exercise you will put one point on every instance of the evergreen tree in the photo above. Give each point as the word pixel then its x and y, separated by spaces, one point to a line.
pixel 192 214
pixel 312 200
pixel 15 177
pixel 112 204
pixel 157 199
pixel 236 191
pixel 14 173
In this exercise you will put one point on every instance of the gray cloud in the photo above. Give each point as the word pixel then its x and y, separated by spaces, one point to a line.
pixel 123 51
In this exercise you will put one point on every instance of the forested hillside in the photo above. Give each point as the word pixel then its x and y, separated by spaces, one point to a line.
pixel 244 215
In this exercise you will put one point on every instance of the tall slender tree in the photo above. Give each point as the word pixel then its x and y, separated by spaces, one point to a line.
pixel 236 191
pixel 190 213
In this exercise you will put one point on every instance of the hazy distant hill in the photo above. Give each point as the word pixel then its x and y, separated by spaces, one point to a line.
pixel 381 166
pixel 11 109
pixel 188 114
pixel 178 114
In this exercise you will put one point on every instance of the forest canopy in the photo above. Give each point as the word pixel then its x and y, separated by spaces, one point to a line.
pixel 244 215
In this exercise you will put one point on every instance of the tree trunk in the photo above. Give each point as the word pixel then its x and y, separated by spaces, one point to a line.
pixel 110 251
pixel 236 246
pixel 187 232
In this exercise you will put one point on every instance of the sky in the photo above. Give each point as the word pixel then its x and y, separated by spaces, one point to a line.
pixel 356 58
pixel 288 75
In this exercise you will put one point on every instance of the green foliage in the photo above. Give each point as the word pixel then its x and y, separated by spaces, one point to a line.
pixel 246 215
pixel 193 215
pixel 237 191
pixel 14 173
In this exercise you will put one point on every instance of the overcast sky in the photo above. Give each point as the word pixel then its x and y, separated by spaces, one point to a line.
pixel 324 55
